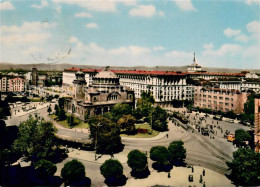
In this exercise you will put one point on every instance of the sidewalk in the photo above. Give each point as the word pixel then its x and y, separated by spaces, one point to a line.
pixel 161 135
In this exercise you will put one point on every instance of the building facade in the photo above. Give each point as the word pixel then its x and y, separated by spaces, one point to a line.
pixel 257 123
pixel 220 99
pixel 194 67
pixel 98 97
pixel 16 85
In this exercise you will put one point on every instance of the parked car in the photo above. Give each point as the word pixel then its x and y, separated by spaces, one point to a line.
pixel 230 121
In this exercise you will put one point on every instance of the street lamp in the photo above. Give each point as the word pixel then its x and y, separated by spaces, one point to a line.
pixel 98 125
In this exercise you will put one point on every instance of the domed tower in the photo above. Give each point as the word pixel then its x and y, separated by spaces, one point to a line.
pixel 79 85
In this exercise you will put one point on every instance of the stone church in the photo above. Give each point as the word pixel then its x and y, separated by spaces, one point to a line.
pixel 99 97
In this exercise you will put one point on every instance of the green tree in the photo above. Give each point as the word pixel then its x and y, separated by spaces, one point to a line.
pixel 57 110
pixel 241 136
pixel 73 171
pixel 119 110
pixel 137 160
pixel 158 118
pixel 49 110
pixel 127 122
pixel 4 109
pixel 245 167
pixel 2 133
pixel 111 169
pixel 145 103
pixel 160 154
pixel 45 168
pixel 36 139
pixel 137 113
pixel 231 114
pixel 105 134
pixel 249 108
pixel 177 151
pixel 70 120
pixel 62 115
pixel 61 102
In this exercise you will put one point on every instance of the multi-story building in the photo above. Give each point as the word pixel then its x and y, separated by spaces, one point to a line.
pixel 213 75
pixel 257 123
pixel 16 84
pixel 3 83
pixel 220 99
pixel 164 85
pixel 99 97
pixel 251 84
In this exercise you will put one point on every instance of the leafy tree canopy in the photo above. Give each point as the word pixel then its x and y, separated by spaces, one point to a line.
pixel 73 171
pixel 111 168
pixel 127 122
pixel 177 151
pixel 45 168
pixel 160 154
pixel 35 138
pixel 241 135
pixel 119 110
pixel 245 167
pixel 145 103
pixel 158 117
pixel 137 160
pixel 61 102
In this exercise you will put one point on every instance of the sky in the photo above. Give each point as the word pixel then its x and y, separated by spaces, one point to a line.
pixel 222 33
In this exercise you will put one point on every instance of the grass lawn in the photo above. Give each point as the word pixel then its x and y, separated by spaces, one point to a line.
pixel 64 123
pixel 143 135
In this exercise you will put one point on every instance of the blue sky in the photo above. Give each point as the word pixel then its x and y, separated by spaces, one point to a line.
pixel 223 33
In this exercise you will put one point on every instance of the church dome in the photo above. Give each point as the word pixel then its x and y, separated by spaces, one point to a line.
pixel 106 75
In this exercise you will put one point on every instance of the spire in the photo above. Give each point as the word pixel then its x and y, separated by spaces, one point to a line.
pixel 194 59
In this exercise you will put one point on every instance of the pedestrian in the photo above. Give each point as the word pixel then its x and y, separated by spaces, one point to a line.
pixel 166 135
pixel 169 175
pixel 192 169
pixel 200 179
pixel 203 172
pixel 204 185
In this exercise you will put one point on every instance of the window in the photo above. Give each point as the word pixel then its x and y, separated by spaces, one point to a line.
pixel 232 99
pixel 215 97
pixel 227 99
pixel 226 104
pixel 94 99
pixel 209 96
pixel 220 98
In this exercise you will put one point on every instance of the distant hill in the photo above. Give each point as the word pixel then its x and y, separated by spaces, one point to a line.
pixel 61 67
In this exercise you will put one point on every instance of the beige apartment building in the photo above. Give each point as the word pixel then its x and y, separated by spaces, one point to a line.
pixel 220 99
pixel 16 85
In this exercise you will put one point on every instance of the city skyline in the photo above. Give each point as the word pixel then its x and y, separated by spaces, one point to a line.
pixel 131 33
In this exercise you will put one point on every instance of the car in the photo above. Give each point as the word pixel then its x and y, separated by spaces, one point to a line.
pixel 230 120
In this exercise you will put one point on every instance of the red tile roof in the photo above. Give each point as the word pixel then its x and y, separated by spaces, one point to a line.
pixel 143 72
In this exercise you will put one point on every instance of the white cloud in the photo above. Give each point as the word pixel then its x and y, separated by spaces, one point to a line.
pixel 242 38
pixel 226 49
pixel 185 5
pixel 31 50
pixel 83 15
pixel 143 11
pixel 101 6
pixel 158 48
pixel 127 2
pixel 250 2
pixel 131 50
pixel 230 32
pixel 92 25
pixel 253 27
pixel 208 46
pixel 6 6
pixel 43 4
pixel 179 54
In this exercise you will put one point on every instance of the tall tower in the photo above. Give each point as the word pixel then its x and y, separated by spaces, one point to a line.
pixel 79 85
pixel 35 76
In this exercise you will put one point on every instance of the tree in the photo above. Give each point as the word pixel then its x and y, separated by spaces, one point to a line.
pixel 4 109
pixel 127 122
pixel 160 154
pixel 137 113
pixel 73 171
pixel 241 136
pixel 119 110
pixel 249 108
pixel 177 151
pixel 62 115
pixel 137 160
pixel 158 118
pixel 45 168
pixel 49 110
pixel 105 134
pixel 36 139
pixel 57 110
pixel 70 120
pixel 25 99
pixel 112 169
pixel 61 102
pixel 2 133
pixel 245 167
pixel 145 103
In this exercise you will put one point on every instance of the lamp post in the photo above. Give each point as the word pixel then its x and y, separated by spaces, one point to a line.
pixel 98 125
